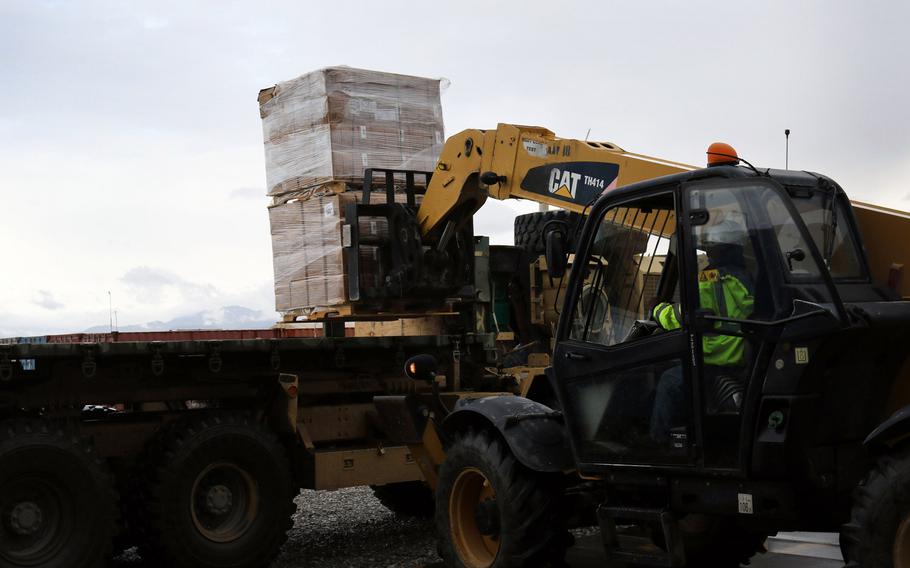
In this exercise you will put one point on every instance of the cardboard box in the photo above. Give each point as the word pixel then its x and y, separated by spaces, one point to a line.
pixel 309 250
pixel 333 123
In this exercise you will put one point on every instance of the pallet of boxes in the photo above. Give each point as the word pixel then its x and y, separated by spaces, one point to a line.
pixel 322 131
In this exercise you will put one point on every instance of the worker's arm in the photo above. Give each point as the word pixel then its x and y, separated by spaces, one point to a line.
pixel 742 300
pixel 667 315
pixel 527 162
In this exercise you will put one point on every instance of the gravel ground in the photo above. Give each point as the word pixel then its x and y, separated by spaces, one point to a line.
pixel 349 528
pixel 345 528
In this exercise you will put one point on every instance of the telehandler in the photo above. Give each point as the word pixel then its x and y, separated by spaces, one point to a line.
pixel 759 383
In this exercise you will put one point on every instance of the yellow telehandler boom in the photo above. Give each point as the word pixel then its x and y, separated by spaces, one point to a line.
pixel 531 162
pixel 527 162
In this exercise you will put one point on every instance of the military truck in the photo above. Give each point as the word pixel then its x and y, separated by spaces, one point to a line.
pixel 192 445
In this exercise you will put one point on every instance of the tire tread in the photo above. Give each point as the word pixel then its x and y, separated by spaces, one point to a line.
pixel 160 469
pixel 66 437
pixel 535 537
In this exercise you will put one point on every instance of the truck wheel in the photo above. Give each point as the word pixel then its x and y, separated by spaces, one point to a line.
pixel 529 228
pixel 878 534
pixel 218 492
pixel 409 498
pixel 57 502
pixel 491 511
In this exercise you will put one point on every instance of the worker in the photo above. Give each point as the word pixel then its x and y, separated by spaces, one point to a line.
pixel 724 289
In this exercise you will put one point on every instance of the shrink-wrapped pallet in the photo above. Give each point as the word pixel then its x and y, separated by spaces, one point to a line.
pixel 309 245
pixel 331 124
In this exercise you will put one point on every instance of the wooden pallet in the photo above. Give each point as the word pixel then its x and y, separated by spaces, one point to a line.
pixel 302 189
pixel 404 326
pixel 359 312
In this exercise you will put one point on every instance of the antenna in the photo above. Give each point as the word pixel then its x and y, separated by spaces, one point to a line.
pixel 787 151
pixel 588 134
pixel 110 309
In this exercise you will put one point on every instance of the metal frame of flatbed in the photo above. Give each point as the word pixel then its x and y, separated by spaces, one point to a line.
pixel 338 377
pixel 225 360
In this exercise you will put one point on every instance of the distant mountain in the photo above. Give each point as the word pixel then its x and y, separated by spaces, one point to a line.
pixel 228 317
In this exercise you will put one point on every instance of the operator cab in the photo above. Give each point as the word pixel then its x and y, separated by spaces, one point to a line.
pixel 679 306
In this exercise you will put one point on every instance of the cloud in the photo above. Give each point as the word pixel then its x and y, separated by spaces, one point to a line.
pixel 154 285
pixel 154 22
pixel 46 300
pixel 225 317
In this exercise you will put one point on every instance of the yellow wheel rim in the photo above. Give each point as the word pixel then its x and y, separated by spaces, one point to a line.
pixel 475 549
pixel 902 544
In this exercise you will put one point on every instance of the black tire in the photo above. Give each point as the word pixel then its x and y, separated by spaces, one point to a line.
pixel 408 498
pixel 529 228
pixel 519 526
pixel 217 492
pixel 57 500
pixel 878 534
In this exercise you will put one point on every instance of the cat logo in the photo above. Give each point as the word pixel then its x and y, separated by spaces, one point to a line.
pixel 575 182
pixel 564 183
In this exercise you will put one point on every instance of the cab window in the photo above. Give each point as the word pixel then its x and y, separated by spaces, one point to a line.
pixel 630 267
pixel 824 216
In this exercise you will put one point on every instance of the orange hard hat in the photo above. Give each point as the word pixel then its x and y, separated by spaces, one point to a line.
pixel 722 154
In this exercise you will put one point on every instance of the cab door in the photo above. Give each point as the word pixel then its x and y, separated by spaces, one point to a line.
pixel 748 250
pixel 624 383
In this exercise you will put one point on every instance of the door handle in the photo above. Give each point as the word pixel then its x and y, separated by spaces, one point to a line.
pixel 576 356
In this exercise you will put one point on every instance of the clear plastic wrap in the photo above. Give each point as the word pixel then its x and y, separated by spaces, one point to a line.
pixel 333 123
pixel 309 248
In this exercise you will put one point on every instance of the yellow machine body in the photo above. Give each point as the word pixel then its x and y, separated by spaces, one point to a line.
pixel 528 162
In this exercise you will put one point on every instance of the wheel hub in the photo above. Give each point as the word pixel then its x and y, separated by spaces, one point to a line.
pixel 219 500
pixel 487 517
pixel 224 501
pixel 25 518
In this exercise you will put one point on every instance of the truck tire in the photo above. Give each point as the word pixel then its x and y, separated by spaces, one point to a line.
pixel 217 492
pixel 492 512
pixel 408 498
pixel 529 229
pixel 878 533
pixel 57 498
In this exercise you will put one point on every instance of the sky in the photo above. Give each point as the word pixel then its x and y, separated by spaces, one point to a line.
pixel 131 157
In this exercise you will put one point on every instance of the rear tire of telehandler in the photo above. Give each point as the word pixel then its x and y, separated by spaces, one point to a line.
pixel 492 512
pixel 218 492
pixel 530 226
pixel 57 500
pixel 878 534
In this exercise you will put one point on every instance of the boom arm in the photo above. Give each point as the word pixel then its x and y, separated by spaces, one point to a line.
pixel 527 162
pixel 531 162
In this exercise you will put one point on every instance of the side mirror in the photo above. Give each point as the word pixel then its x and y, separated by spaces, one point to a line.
pixel 556 253
pixel 796 254
pixel 422 368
